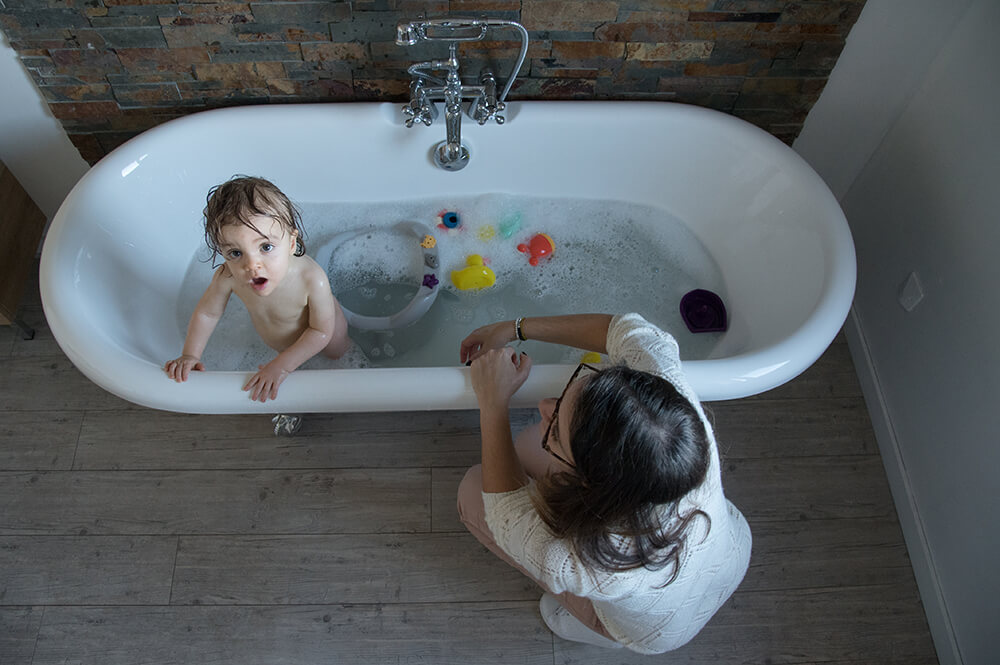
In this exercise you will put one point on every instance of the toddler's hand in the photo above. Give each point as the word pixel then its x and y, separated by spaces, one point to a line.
pixel 180 368
pixel 264 384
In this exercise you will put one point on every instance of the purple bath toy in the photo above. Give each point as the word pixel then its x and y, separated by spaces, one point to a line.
pixel 703 311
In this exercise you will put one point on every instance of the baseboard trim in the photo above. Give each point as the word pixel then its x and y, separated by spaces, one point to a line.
pixel 928 584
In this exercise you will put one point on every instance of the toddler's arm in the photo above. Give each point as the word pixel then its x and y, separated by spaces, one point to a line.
pixel 322 319
pixel 203 321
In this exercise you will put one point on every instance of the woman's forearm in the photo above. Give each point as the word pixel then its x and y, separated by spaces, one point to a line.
pixel 582 331
pixel 502 470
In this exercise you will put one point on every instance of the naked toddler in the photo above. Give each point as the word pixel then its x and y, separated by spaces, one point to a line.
pixel 255 228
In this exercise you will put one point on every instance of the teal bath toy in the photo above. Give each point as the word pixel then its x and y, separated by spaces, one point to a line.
pixel 510 224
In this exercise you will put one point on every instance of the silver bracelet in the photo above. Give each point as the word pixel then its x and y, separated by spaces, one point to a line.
pixel 518 331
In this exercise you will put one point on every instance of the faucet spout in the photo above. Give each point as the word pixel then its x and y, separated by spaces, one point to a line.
pixel 452 155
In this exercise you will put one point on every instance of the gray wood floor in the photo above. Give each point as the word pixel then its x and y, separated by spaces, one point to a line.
pixel 135 536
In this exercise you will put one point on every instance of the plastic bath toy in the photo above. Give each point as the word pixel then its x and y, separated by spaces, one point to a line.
pixel 475 275
pixel 703 311
pixel 486 233
pixel 430 281
pixel 450 219
pixel 428 242
pixel 540 245
pixel 510 225
pixel 591 358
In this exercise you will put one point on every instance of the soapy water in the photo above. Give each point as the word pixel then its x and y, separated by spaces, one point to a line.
pixel 610 257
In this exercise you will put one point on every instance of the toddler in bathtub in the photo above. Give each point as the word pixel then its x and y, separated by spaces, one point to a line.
pixel 256 230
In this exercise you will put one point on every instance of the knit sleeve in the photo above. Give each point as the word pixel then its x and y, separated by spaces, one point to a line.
pixel 637 343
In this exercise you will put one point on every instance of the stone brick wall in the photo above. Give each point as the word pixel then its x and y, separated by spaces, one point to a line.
pixel 110 69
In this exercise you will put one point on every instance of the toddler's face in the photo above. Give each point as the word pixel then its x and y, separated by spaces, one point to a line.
pixel 259 261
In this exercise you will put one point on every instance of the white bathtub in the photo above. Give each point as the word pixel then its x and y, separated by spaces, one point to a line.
pixel 117 250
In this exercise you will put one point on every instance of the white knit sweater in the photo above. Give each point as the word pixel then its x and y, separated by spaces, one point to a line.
pixel 635 612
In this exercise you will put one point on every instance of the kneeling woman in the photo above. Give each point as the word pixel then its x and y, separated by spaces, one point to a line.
pixel 614 502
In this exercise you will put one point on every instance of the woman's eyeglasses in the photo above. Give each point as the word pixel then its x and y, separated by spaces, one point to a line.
pixel 555 415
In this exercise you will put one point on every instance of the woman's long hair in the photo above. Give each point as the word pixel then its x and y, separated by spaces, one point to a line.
pixel 639 446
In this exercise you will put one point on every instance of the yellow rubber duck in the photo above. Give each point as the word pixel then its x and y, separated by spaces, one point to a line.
pixel 476 275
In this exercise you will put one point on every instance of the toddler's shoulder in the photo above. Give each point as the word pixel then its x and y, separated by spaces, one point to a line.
pixel 308 266
pixel 311 272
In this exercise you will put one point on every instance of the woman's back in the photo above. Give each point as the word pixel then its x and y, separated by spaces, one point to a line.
pixel 634 605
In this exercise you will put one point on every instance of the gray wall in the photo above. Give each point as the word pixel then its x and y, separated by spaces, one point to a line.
pixel 912 148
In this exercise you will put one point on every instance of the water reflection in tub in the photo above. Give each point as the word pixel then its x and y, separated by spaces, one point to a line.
pixel 610 256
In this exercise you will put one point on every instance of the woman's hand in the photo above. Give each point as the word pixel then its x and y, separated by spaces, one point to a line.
pixel 496 376
pixel 180 368
pixel 264 384
pixel 481 340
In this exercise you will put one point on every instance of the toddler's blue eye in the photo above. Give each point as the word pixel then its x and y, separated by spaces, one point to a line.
pixel 234 254
pixel 266 247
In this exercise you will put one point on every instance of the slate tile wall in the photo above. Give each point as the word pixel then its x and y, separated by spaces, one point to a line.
pixel 110 69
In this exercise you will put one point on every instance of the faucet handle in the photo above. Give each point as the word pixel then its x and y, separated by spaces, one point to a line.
pixel 485 109
pixel 424 113
pixel 411 115
pixel 496 114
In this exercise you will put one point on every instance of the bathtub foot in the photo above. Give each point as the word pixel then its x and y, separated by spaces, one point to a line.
pixel 286 425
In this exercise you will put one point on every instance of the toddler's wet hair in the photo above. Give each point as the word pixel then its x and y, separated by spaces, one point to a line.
pixel 241 197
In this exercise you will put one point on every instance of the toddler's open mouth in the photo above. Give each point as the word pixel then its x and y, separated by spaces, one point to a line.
pixel 259 282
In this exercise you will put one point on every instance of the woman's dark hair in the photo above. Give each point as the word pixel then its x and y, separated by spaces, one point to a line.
pixel 639 446
pixel 239 198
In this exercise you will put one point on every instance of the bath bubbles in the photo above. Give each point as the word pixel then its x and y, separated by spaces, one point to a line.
pixel 610 256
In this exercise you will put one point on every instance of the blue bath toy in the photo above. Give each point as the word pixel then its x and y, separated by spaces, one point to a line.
pixel 703 311
pixel 450 220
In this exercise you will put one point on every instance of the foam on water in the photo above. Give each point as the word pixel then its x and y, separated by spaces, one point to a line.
pixel 610 256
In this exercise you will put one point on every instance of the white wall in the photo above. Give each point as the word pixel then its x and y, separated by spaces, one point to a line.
pixel 33 144
pixel 907 135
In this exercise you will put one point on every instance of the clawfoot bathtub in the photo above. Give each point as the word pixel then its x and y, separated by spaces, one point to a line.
pixel 116 255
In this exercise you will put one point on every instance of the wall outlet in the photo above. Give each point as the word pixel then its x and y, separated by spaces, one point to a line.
pixel 911 293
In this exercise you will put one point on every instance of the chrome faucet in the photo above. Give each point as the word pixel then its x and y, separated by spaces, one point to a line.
pixel 426 88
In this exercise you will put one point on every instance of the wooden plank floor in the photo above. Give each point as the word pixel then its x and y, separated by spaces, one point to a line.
pixel 135 536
